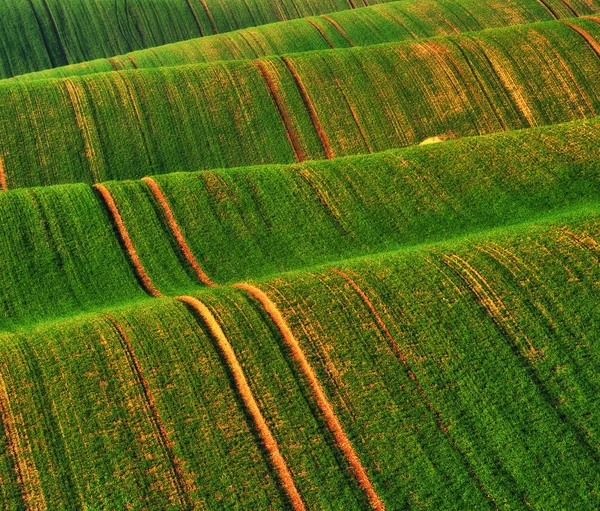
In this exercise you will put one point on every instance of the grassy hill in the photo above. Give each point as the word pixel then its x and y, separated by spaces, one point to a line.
pixel 42 34
pixel 309 256
pixel 382 23
pixel 303 106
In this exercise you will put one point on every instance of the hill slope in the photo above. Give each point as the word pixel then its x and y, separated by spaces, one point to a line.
pixel 389 22
pixel 301 107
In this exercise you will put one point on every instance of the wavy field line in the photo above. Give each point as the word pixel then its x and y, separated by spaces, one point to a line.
pixel 163 434
pixel 310 108
pixel 333 423
pixel 396 348
pixel 140 271
pixel 248 399
pixel 172 221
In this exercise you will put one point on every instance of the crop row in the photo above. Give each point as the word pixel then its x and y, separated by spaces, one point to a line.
pixel 304 106
pixel 388 22
pixel 190 229
pixel 454 373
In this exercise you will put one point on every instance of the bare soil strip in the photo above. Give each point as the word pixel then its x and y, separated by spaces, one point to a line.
pixel 183 245
pixel 321 31
pixel 289 127
pixel 588 38
pixel 549 9
pixel 3 184
pixel 193 11
pixel 26 471
pixel 333 423
pixel 310 108
pixel 248 399
pixel 337 26
pixel 140 271
pixel 177 470
pixel 210 16
pixel 398 350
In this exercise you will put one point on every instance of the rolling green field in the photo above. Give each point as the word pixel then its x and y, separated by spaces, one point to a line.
pixel 276 255
pixel 382 23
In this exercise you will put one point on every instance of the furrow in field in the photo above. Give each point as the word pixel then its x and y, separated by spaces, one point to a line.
pixel 140 271
pixel 195 16
pixel 24 464
pixel 586 35
pixel 210 17
pixel 399 352
pixel 248 399
pixel 136 368
pixel 3 180
pixel 310 108
pixel 270 81
pixel 171 220
pixel 549 9
pixel 522 345
pixel 337 26
pixel 333 423
pixel 77 96
pixel 321 32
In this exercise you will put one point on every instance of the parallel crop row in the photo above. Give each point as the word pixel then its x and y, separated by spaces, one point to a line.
pixel 383 23
pixel 327 104
pixel 445 393
pixel 43 34
pixel 225 226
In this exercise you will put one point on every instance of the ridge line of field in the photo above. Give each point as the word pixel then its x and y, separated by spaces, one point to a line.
pixel 123 234
pixel 400 354
pixel 333 423
pixel 541 220
pixel 136 368
pixel 250 404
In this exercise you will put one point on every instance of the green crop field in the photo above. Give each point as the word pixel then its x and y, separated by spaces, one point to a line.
pixel 309 255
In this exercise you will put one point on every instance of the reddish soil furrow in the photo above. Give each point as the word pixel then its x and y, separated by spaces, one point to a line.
pixel 193 11
pixel 570 7
pixel 133 62
pixel 322 32
pixel 140 271
pixel 354 115
pixel 588 38
pixel 398 350
pixel 289 126
pixel 113 65
pixel 179 478
pixel 337 26
pixel 549 9
pixel 333 423
pixel 310 108
pixel 183 245
pixel 26 471
pixel 3 184
pixel 74 92
pixel 248 399
pixel 210 16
